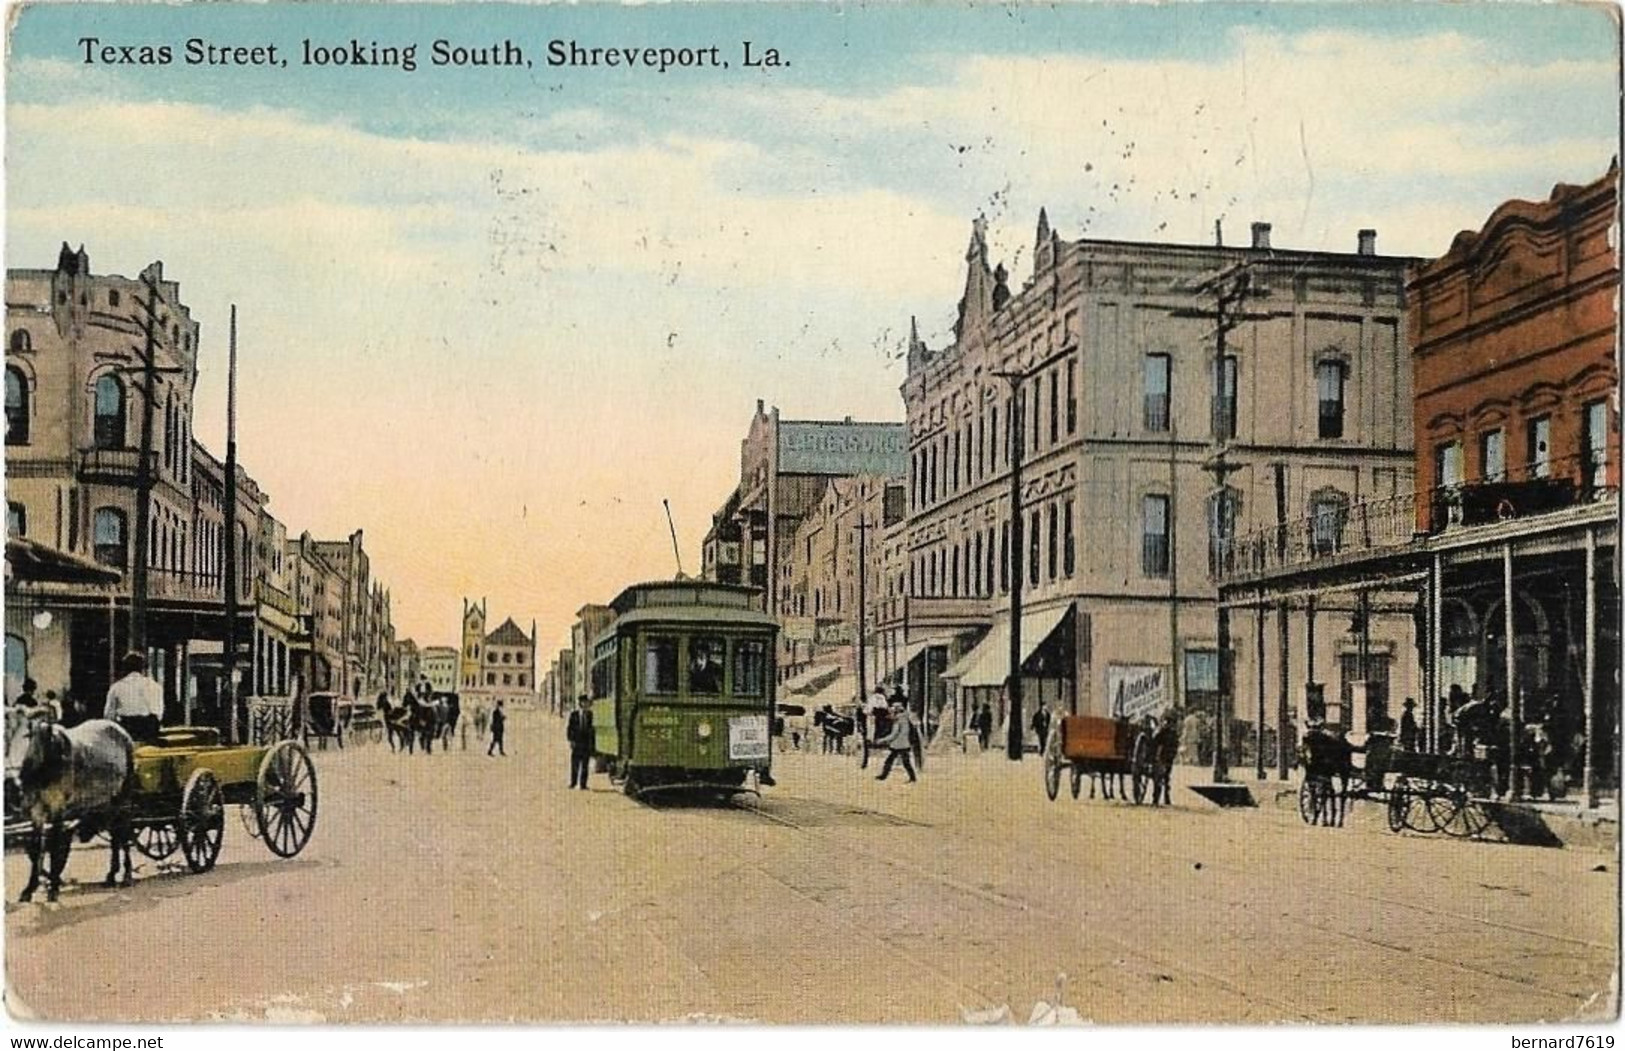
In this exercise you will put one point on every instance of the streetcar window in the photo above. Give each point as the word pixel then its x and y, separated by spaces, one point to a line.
pixel 705 657
pixel 660 665
pixel 750 668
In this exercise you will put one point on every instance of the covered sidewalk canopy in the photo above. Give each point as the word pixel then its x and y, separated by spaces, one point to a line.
pixel 28 561
pixel 838 691
pixel 813 679
pixel 988 664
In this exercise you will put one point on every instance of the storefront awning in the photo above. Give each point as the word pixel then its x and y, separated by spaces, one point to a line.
pixel 891 664
pixel 989 663
pixel 811 679
pixel 838 692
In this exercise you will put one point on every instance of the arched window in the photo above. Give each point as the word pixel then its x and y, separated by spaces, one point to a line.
pixel 21 341
pixel 109 413
pixel 16 407
pixel 111 537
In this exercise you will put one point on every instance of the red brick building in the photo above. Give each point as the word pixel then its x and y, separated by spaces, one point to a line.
pixel 1513 340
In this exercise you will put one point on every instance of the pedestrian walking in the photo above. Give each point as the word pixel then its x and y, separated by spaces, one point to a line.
pixel 878 707
pixel 984 725
pixel 499 723
pixel 579 733
pixel 1408 732
pixel 898 743
pixel 1041 726
pixel 136 702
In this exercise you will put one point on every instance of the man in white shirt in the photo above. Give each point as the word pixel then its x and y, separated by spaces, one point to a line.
pixel 136 702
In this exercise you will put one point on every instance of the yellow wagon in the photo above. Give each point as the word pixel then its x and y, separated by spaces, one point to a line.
pixel 185 781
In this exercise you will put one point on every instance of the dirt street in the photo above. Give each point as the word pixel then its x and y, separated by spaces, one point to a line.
pixel 460 888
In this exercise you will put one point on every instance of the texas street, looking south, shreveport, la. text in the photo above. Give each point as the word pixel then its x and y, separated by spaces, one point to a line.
pixel 358 54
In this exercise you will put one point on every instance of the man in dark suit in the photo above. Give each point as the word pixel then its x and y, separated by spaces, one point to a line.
pixel 579 732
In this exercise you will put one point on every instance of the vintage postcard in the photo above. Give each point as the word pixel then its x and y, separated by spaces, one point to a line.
pixel 783 513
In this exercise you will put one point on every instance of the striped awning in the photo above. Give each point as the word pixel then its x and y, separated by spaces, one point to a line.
pixel 988 664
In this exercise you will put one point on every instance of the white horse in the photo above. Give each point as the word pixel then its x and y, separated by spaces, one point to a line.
pixel 58 778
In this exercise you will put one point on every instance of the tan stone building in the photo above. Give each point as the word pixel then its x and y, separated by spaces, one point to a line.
pixel 784 467
pixel 495 665
pixel 440 664
pixel 591 622
pixel 1124 401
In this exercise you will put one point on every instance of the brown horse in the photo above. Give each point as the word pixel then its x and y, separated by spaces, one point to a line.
pixel 60 779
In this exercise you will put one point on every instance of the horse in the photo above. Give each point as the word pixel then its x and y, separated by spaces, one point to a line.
pixel 61 777
pixel 386 715
pixel 428 721
pixel 1164 751
pixel 451 710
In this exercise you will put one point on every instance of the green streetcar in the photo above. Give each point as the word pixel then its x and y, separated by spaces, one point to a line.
pixel 682 687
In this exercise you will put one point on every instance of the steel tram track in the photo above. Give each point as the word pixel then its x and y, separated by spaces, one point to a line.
pixel 1333 931
pixel 1292 1012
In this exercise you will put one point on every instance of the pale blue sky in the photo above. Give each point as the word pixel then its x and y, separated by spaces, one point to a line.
pixel 563 290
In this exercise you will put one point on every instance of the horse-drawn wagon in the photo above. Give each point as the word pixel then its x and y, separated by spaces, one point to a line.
pixel 323 716
pixel 1096 746
pixel 1428 793
pixel 158 798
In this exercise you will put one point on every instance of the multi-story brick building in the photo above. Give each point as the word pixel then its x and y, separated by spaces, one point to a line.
pixel 1106 359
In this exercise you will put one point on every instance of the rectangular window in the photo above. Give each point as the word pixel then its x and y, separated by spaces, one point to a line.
pixel 1224 405
pixel 988 577
pixel 1492 452
pixel 953 574
pixel 1329 379
pixel 981 444
pixel 750 668
pixel 706 654
pixel 1154 536
pixel 1004 557
pixel 1157 376
pixel 1037 406
pixel 16 520
pixel 993 439
pixel 1201 671
pixel 932 497
pixel 955 488
pixel 1069 558
pixel 660 664
pixel 1540 447
pixel 1054 408
pixel 1071 397
pixel 1054 542
pixel 976 574
pixel 1447 470
pixel 1596 445
pixel 1033 550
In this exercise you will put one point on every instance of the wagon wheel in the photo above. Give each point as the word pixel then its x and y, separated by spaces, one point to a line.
pixel 1140 767
pixel 1052 776
pixel 1455 813
pixel 1077 780
pixel 203 820
pixel 285 799
pixel 157 841
pixel 1308 802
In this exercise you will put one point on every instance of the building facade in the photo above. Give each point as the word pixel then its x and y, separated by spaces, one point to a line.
pixel 591 621
pixel 1511 529
pixel 440 664
pixel 1104 373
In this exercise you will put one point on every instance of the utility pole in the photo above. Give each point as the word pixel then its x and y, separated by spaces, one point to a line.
pixel 229 663
pixel 863 595
pixel 1017 382
pixel 1230 287
pixel 139 582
